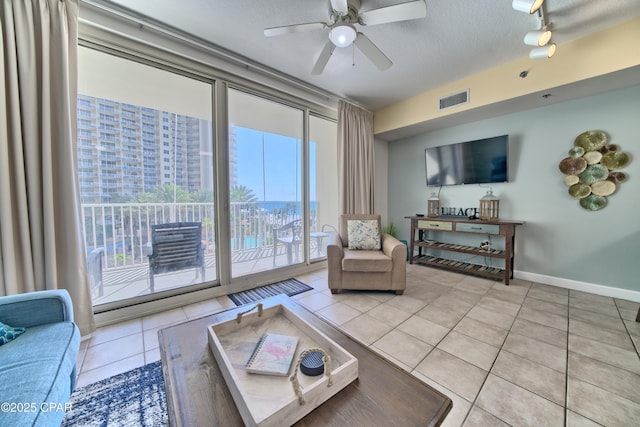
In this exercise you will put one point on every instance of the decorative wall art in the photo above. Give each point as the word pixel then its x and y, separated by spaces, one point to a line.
pixel 592 169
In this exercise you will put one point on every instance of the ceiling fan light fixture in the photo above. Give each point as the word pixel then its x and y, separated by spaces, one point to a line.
pixel 537 38
pixel 543 52
pixel 342 35
pixel 527 6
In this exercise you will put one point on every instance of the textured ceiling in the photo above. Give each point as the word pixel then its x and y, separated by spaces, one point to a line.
pixel 456 39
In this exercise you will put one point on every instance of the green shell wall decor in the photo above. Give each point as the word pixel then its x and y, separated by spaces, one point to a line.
pixel 592 169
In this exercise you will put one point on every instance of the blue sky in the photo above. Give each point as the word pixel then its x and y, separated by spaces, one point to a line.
pixel 281 167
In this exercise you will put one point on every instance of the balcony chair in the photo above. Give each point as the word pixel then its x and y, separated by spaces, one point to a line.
pixel 361 257
pixel 176 246
pixel 289 235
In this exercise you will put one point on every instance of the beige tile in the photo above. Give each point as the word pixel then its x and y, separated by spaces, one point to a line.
pixel 152 356
pixel 365 328
pixel 117 330
pixel 407 303
pixel 469 349
pixel 601 320
pixel 628 314
pixel 105 371
pixel 575 296
pixel 612 355
pixel 537 351
pixel 204 308
pixel 551 307
pixel 403 347
pixel 361 302
pixel 459 376
pixel 443 316
pixel 500 306
pixel 608 309
pixel 615 380
pixel 150 338
pixel 531 376
pixel 576 420
pixel 484 332
pixel 113 351
pixel 549 296
pixel 338 313
pixel 601 406
pixel 594 332
pixel 460 407
pixel 517 406
pixel 544 318
pixel 389 314
pixel 491 317
pixel 474 285
pixel 633 327
pixel 166 318
pixel 540 332
pixel 549 288
pixel 424 330
pixel 315 301
pixel 391 359
pixel 478 417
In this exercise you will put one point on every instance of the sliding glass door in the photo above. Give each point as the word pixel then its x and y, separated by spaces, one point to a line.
pixel 265 184
pixel 145 161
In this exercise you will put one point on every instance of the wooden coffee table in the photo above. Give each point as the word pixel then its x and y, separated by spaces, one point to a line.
pixel 383 395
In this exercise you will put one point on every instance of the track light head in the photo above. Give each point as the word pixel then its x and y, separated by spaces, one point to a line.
pixel 527 6
pixel 543 52
pixel 537 38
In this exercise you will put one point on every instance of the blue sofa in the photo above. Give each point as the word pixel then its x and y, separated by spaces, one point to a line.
pixel 38 368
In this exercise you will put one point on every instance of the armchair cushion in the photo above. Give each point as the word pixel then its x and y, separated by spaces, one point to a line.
pixel 363 234
pixel 366 261
pixel 7 333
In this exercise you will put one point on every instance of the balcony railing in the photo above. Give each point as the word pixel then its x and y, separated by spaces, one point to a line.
pixel 122 230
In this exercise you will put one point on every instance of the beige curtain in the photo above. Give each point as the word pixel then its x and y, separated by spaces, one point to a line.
pixel 41 243
pixel 355 159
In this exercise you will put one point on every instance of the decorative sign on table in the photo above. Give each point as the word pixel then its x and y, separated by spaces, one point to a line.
pixel 592 169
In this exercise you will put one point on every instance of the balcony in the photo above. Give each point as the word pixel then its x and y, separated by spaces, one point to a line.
pixel 120 234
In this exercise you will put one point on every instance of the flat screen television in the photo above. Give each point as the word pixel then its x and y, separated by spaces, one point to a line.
pixel 473 162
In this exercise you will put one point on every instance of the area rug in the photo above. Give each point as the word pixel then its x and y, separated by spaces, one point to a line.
pixel 134 398
pixel 290 287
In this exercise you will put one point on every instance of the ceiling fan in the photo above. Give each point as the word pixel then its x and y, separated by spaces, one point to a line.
pixel 344 15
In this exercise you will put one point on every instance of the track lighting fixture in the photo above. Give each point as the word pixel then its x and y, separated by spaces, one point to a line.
pixel 543 52
pixel 527 6
pixel 537 38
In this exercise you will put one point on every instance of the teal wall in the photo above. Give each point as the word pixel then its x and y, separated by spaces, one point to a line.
pixel 560 240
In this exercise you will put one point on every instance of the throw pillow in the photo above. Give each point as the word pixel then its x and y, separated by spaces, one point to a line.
pixel 363 234
pixel 7 333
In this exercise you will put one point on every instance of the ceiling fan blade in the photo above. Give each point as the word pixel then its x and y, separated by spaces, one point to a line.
pixel 323 58
pixel 340 6
pixel 298 28
pixel 399 12
pixel 372 52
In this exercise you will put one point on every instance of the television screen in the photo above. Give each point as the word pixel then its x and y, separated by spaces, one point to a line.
pixel 474 162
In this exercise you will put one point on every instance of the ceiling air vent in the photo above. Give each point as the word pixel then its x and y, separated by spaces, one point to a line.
pixel 455 99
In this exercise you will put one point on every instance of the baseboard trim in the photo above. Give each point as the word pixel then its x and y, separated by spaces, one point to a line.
pixel 607 291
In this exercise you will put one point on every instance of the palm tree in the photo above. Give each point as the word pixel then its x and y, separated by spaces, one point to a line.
pixel 243 194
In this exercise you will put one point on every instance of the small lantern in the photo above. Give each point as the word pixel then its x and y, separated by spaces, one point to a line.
pixel 433 206
pixel 489 207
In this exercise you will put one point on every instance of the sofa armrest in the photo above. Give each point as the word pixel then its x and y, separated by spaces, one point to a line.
pixel 392 246
pixel 334 247
pixel 36 308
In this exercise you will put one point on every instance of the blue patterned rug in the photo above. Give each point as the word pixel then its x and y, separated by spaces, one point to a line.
pixel 290 287
pixel 134 398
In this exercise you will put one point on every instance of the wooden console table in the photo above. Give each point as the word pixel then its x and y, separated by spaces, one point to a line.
pixel 382 395
pixel 422 228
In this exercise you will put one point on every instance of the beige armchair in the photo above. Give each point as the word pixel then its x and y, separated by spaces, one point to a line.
pixel 365 269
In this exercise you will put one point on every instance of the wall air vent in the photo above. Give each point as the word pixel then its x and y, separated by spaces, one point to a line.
pixel 454 100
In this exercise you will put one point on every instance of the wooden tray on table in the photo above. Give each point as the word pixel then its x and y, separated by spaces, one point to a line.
pixel 268 400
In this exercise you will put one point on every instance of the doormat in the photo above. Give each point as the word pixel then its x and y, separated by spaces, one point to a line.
pixel 134 398
pixel 290 287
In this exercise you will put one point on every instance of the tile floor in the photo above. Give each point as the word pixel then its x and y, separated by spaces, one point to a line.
pixel 523 355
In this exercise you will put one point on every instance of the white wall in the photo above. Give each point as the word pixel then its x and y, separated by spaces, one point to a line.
pixel 561 243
